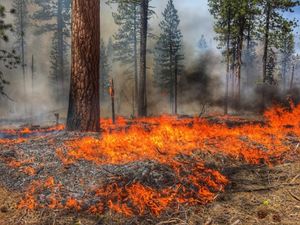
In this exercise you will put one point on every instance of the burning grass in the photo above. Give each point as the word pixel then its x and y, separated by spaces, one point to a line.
pixel 147 165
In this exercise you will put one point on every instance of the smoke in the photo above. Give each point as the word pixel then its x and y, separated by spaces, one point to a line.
pixel 202 82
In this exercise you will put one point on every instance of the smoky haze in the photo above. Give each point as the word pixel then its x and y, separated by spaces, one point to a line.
pixel 201 83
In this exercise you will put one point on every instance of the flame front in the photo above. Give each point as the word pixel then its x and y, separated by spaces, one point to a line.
pixel 178 144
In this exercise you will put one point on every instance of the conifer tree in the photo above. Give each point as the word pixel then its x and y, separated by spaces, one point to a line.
pixel 54 17
pixel 168 54
pixel 287 49
pixel 126 40
pixel 8 59
pixel 105 69
pixel 223 12
pixel 142 84
pixel 20 26
pixel 272 24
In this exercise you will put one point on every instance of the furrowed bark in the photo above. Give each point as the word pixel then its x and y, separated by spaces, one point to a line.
pixel 84 109
pixel 142 98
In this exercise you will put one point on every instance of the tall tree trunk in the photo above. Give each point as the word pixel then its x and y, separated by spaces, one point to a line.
pixel 32 89
pixel 248 38
pixel 22 30
pixel 84 109
pixel 172 79
pixel 239 58
pixel 136 78
pixel 233 71
pixel 176 86
pixel 60 42
pixel 228 62
pixel 292 79
pixel 284 73
pixel 142 98
pixel 266 44
pixel 266 48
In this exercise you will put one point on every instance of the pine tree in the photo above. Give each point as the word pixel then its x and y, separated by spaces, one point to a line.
pixel 142 84
pixel 8 59
pixel 272 24
pixel 168 54
pixel 20 26
pixel 235 24
pixel 127 38
pixel 54 16
pixel 105 69
pixel 223 12
pixel 287 50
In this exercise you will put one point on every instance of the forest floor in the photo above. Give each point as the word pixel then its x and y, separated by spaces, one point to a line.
pixel 257 195
pixel 43 179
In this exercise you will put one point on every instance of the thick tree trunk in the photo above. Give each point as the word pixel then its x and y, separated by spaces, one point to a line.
pixel 142 98
pixel 84 109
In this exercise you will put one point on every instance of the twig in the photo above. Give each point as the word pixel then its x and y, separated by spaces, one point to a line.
pixel 295 178
pixel 294 196
pixel 267 188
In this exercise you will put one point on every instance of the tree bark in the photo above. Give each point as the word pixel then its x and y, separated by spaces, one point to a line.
pixel 228 62
pixel 292 79
pixel 265 57
pixel 60 43
pixel 266 44
pixel 23 53
pixel 239 58
pixel 172 79
pixel 84 109
pixel 142 98
pixel 176 86
pixel 136 76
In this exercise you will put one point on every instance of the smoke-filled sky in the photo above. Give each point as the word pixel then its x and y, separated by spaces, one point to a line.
pixel 195 20
pixel 194 16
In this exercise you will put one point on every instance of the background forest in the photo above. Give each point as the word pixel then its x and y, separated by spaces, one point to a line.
pixel 243 50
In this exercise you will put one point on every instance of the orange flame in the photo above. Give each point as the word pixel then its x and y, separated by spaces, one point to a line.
pixel 169 140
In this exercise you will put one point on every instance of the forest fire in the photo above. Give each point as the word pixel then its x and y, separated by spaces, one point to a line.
pixel 155 164
pixel 190 134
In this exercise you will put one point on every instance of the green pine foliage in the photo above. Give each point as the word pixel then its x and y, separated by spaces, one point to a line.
pixel 54 17
pixel 169 50
pixel 21 21
pixel 8 59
